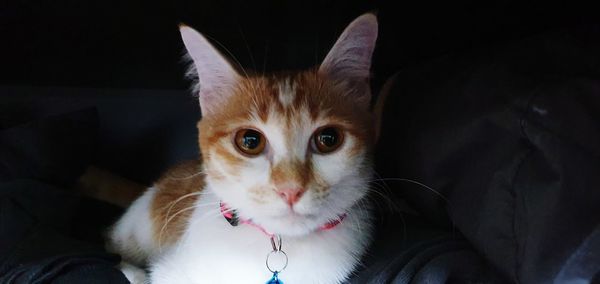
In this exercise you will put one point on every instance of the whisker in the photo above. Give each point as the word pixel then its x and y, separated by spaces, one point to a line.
pixel 382 185
pixel 209 214
pixel 239 64
pixel 390 204
pixel 173 203
pixel 169 217
pixel 187 177
pixel 264 69
pixel 414 182
pixel 247 46
pixel 357 222
pixel 437 193
pixel 164 226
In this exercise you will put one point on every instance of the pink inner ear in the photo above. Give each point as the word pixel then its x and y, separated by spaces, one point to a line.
pixel 216 77
pixel 350 56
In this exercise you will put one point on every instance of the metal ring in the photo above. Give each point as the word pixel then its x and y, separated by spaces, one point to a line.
pixel 274 252
pixel 275 247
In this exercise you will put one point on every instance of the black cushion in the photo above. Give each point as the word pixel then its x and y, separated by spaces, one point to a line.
pixel 508 139
pixel 55 149
pixel 51 236
pixel 139 132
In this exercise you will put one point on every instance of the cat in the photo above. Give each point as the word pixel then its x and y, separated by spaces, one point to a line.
pixel 286 161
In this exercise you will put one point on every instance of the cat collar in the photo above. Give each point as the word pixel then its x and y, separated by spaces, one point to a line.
pixel 232 217
pixel 277 253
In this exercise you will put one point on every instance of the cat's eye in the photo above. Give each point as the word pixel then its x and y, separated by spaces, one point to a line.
pixel 327 139
pixel 250 142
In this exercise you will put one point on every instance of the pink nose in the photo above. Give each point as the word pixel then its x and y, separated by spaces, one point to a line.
pixel 291 195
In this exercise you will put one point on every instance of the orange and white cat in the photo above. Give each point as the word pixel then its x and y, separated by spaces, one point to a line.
pixel 289 153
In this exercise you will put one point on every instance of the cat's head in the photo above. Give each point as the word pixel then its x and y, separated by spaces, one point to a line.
pixel 289 151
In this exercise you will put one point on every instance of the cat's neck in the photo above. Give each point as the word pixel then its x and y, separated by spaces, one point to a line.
pixel 234 219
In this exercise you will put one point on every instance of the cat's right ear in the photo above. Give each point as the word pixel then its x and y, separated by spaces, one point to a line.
pixel 216 77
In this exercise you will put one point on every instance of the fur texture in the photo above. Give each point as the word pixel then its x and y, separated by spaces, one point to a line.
pixel 176 227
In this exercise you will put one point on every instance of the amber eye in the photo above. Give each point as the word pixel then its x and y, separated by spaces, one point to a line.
pixel 327 139
pixel 250 141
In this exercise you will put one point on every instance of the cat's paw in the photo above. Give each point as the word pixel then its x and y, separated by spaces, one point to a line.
pixel 134 274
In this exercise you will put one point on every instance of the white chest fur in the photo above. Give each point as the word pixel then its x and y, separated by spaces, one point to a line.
pixel 213 251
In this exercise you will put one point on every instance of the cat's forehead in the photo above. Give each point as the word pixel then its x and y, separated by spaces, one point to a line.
pixel 295 98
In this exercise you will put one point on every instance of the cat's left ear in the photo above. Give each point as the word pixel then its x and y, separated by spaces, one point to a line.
pixel 350 56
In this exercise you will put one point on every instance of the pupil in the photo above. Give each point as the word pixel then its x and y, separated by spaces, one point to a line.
pixel 251 139
pixel 328 137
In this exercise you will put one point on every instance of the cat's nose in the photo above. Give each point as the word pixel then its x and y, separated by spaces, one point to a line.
pixel 291 195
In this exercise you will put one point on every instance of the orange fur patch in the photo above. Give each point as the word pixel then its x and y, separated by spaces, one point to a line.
pixel 291 171
pixel 170 206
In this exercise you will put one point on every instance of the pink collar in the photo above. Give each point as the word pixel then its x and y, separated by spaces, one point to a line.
pixel 233 219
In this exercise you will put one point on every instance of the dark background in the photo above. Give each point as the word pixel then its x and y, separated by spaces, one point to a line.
pixel 135 44
pixel 496 108
pixel 125 57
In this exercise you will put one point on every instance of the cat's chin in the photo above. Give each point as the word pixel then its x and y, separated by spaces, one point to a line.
pixel 294 216
pixel 293 223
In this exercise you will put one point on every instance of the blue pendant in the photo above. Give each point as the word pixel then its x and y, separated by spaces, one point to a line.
pixel 274 279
